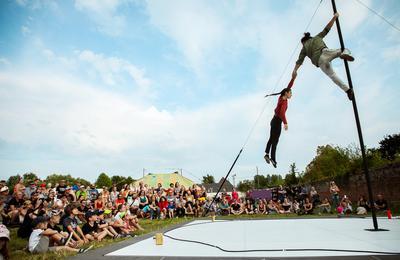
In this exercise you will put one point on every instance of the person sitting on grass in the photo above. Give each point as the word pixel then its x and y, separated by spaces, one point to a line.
pixel 154 210
pixel 286 206
pixel 248 208
pixel 91 228
pixel 39 241
pixel 381 204
pixel 261 207
pixel 324 207
pixel 180 210
pixel 54 221
pixel 70 224
pixel 104 225
pixel 4 242
pixel 308 207
pixel 271 207
pixel 362 206
pixel 236 208
pixel 224 207
pixel 171 209
pixel 163 205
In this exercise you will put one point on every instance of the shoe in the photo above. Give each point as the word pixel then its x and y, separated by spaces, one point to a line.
pixel 346 55
pixel 273 163
pixel 350 94
pixel 84 250
pixel 267 159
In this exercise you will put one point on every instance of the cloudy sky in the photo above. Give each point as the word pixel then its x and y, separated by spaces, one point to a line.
pixel 116 86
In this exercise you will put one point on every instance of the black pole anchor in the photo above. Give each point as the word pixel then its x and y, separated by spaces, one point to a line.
pixel 222 184
pixel 360 136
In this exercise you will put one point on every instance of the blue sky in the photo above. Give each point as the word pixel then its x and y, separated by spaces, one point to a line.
pixel 120 85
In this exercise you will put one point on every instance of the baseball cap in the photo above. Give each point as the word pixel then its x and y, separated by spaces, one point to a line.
pixel 4 232
pixel 107 211
pixel 54 212
pixel 4 189
pixel 99 212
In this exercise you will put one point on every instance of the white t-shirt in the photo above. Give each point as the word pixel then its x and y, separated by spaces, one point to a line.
pixel 34 239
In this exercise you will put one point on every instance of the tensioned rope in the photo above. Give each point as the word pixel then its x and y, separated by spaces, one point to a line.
pixel 263 109
pixel 379 15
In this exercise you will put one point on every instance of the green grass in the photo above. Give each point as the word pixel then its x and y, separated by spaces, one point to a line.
pixel 17 245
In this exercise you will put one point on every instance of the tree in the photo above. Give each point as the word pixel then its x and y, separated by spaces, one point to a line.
pixel 56 178
pixel 120 181
pixel 245 185
pixel 260 182
pixel 290 178
pixel 208 179
pixel 390 147
pixel 103 181
pixel 29 177
pixel 12 181
pixel 329 162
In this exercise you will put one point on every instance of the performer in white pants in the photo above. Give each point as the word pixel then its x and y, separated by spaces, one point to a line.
pixel 316 49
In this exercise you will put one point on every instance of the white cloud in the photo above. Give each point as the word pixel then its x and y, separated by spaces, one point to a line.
pixel 109 68
pixel 104 14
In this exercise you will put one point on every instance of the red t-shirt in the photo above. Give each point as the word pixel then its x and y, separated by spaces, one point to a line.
pixel 163 204
pixel 281 107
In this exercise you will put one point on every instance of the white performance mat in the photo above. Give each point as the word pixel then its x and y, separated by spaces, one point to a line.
pixel 280 235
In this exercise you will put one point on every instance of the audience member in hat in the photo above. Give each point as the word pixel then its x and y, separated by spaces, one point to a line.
pixel 4 242
pixel 39 241
pixel 70 224
pixel 104 225
pixel 91 228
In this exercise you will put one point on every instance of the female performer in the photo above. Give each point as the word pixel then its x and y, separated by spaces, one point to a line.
pixel 276 122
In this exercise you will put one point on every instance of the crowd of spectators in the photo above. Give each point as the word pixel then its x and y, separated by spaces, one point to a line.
pixel 65 216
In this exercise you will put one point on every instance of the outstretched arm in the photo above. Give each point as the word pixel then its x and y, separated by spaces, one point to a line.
pixel 332 21
pixel 290 85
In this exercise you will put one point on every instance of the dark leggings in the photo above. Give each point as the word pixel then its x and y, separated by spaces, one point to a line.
pixel 276 127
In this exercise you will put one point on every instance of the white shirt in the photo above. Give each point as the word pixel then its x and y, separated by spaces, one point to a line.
pixel 34 239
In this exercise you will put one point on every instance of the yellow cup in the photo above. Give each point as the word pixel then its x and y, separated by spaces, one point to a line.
pixel 159 239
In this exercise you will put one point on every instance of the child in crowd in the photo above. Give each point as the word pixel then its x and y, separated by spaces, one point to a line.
pixel 39 241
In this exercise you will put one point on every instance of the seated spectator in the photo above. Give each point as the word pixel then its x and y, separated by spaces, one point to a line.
pixel 381 204
pixel 261 207
pixel 286 206
pixel 308 207
pixel 25 229
pixel 362 206
pixel 99 202
pixel 54 221
pixel 236 208
pixel 154 210
pixel 14 208
pixel 171 209
pixel 70 224
pixel 324 207
pixel 348 209
pixel 163 205
pixel 4 242
pixel 248 208
pixel 271 207
pixel 104 225
pixel 180 210
pixel 91 228
pixel 39 240
pixel 224 207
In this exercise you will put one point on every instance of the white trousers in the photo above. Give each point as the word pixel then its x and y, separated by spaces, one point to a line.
pixel 325 64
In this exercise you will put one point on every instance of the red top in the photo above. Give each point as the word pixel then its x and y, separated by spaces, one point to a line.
pixel 281 107
pixel 163 204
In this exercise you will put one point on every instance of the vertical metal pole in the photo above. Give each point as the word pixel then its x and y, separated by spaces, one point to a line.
pixel 360 137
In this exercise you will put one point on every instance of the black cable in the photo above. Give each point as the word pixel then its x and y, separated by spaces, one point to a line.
pixel 283 249
pixel 379 15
